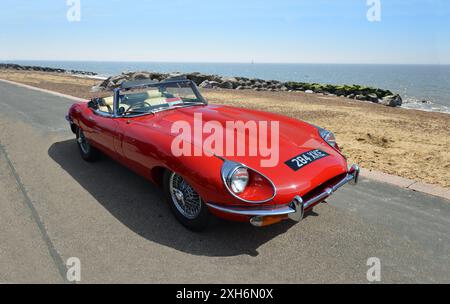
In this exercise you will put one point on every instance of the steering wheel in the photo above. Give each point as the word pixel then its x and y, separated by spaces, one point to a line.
pixel 138 104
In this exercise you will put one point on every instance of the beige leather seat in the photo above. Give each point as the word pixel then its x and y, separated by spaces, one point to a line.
pixel 109 105
pixel 155 98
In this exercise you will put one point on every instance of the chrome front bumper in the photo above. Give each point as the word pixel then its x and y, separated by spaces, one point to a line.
pixel 295 210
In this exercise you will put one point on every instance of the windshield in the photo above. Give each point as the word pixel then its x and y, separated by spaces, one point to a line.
pixel 160 97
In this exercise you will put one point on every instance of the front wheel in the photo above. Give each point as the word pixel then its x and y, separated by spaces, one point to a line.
pixel 87 152
pixel 185 202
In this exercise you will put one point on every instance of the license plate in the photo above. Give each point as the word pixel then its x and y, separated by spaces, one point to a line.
pixel 305 159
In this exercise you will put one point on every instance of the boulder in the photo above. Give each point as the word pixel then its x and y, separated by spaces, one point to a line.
pixel 110 85
pixel 361 97
pixel 118 77
pixel 392 100
pixel 104 83
pixel 227 85
pixel 229 79
pixel 141 76
pixel 373 97
pixel 257 84
pixel 260 89
pixel 43 69
pixel 198 78
pixel 175 75
pixel 207 84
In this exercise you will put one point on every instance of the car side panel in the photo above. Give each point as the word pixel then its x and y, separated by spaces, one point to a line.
pixel 145 148
pixel 99 130
pixel 138 148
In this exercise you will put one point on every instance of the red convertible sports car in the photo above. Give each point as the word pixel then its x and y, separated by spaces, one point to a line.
pixel 238 164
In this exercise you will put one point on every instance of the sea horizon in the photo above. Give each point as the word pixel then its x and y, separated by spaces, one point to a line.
pixel 220 62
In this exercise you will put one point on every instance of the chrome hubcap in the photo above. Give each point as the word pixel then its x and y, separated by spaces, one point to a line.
pixel 179 195
pixel 186 200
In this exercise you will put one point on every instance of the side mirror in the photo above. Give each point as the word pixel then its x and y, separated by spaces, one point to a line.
pixel 121 111
pixel 93 104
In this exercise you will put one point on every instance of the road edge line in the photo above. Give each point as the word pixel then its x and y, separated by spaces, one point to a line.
pixel 406 183
pixel 73 98
pixel 54 254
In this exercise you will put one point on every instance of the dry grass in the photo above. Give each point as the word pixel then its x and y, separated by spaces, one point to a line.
pixel 408 143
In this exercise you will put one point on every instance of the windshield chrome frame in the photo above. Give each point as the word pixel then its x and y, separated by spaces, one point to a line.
pixel 118 91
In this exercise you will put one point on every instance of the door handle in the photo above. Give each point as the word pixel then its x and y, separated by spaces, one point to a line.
pixel 91 119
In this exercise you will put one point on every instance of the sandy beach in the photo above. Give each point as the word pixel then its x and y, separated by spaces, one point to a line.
pixel 408 143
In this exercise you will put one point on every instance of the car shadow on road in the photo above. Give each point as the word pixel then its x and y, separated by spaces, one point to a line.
pixel 140 206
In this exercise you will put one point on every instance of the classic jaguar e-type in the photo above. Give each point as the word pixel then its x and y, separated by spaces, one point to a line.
pixel 157 129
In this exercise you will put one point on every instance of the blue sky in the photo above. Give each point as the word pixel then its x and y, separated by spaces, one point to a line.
pixel 313 31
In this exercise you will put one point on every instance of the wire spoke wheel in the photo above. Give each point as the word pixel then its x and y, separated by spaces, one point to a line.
pixel 82 141
pixel 184 197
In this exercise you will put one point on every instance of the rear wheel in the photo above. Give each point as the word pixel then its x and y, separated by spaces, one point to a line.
pixel 87 152
pixel 185 202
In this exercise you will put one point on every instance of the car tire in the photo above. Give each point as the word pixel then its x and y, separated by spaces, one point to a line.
pixel 87 152
pixel 195 218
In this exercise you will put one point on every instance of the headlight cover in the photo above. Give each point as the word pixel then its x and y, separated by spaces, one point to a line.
pixel 238 180
pixel 246 184
pixel 328 137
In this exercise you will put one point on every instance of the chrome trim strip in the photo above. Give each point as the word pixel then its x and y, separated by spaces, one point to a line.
pixel 256 212
pixel 299 207
pixel 352 176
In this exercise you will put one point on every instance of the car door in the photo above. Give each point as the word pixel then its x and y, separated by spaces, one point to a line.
pixel 137 144
pixel 100 128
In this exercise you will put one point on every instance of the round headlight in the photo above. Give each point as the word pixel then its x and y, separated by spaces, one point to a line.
pixel 238 180
pixel 328 137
